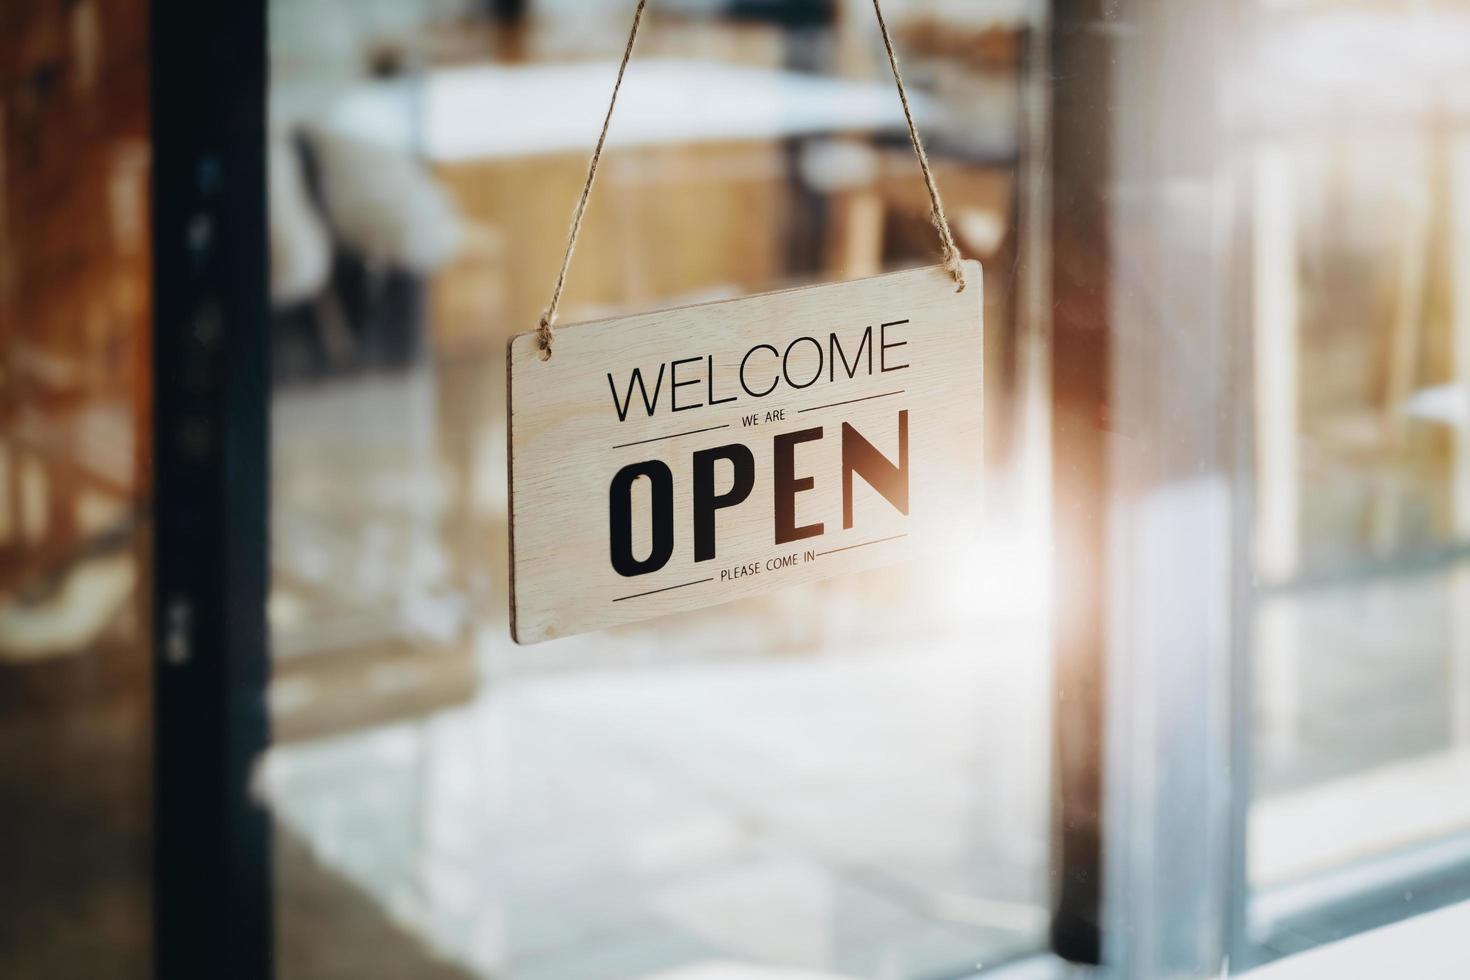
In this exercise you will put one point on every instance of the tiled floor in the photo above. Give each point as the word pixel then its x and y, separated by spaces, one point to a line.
pixel 862 794
pixel 851 778
pixel 808 781
pixel 855 813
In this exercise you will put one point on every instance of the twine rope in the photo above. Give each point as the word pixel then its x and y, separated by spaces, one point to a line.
pixel 545 333
pixel 940 220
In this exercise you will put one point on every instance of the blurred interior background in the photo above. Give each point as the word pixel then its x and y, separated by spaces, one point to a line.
pixel 873 788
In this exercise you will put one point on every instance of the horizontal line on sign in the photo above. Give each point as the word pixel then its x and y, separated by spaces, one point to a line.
pixel 667 589
pixel 675 435
pixel 863 545
pixel 851 401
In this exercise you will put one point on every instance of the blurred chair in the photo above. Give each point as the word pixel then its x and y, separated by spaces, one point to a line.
pixel 357 230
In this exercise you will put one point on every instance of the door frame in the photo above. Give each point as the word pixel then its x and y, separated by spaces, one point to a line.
pixel 212 846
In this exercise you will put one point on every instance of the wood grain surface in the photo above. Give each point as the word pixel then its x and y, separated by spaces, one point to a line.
pixel 746 419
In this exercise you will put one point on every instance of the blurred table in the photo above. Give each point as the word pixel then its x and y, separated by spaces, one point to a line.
pixel 496 112
pixel 695 197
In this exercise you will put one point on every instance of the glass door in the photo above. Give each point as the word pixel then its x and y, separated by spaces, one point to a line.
pixel 1199 700
pixel 850 779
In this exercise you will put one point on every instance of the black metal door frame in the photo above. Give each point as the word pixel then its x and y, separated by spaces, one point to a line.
pixel 212 852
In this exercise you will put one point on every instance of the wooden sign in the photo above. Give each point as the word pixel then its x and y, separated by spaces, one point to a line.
pixel 675 460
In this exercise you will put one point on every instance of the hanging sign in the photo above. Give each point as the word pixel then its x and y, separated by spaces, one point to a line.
pixel 675 460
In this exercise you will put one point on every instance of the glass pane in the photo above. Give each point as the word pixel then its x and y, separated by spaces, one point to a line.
pixel 850 778
pixel 1361 213
pixel 75 307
